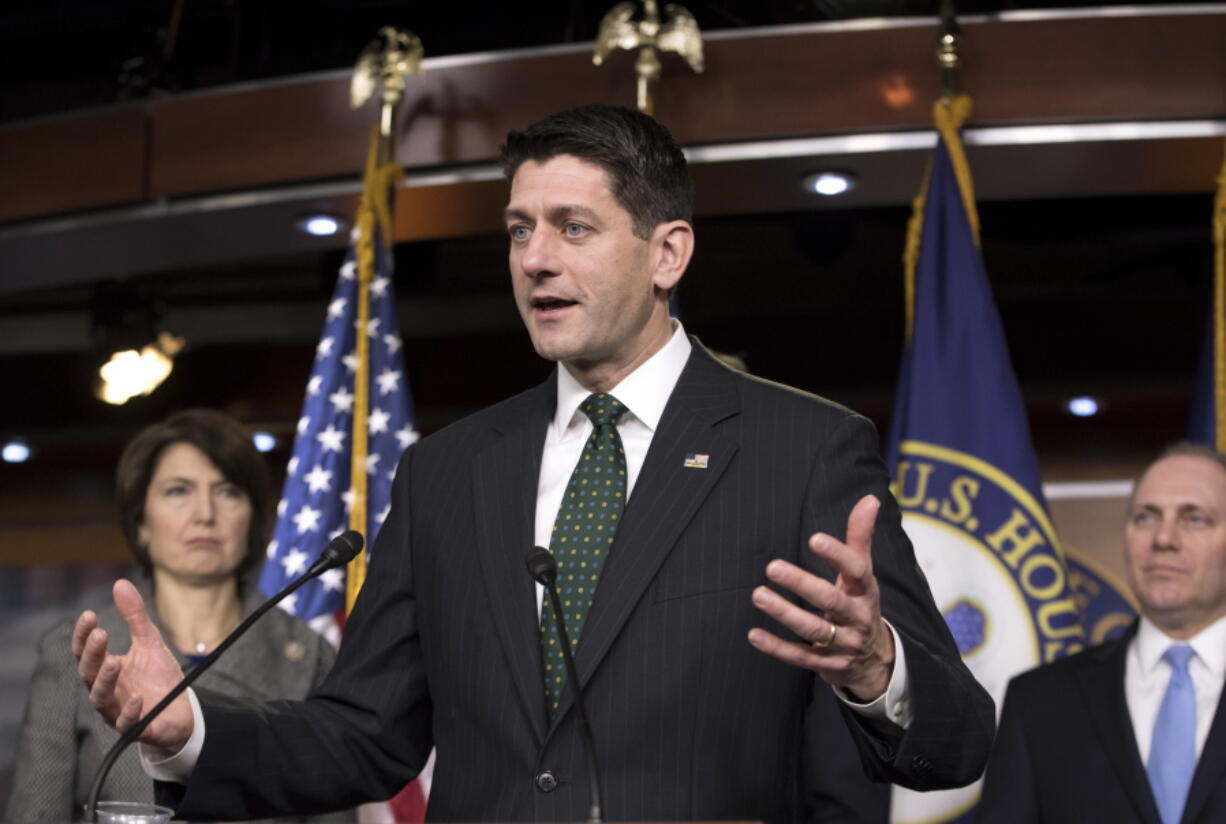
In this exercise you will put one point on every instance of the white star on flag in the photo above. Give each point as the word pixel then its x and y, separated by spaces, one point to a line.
pixel 378 286
pixel 307 519
pixel 349 496
pixel 383 513
pixel 313 384
pixel 406 436
pixel 351 362
pixel 377 422
pixel 349 268
pixel 372 327
pixel 332 439
pixel 336 308
pixel 303 423
pixel 281 505
pixel 372 462
pixel 388 381
pixel 342 400
pixel 295 562
pixel 333 580
pixel 318 479
pixel 290 603
pixel 292 467
pixel 393 343
pixel 324 348
pixel 272 548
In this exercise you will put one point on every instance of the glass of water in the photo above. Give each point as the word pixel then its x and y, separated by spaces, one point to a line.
pixel 132 812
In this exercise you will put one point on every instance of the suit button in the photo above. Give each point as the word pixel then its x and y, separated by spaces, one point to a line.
pixel 546 783
pixel 921 766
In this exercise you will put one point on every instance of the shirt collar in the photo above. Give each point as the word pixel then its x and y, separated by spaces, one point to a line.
pixel 644 392
pixel 1209 644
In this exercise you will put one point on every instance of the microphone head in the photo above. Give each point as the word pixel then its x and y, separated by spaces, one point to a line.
pixel 344 548
pixel 542 566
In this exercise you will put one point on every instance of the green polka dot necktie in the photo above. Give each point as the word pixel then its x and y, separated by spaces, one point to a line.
pixel 582 533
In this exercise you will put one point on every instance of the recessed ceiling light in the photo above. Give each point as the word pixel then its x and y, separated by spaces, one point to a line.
pixel 264 441
pixel 1083 406
pixel 320 225
pixel 829 183
pixel 16 451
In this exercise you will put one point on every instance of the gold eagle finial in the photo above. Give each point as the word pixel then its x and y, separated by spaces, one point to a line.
pixel 680 35
pixel 390 57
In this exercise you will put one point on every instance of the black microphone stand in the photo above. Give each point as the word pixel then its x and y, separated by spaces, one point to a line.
pixel 544 570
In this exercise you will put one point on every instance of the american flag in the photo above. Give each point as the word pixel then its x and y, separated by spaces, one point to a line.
pixel 317 496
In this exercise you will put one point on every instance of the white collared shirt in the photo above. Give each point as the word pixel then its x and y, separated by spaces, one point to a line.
pixel 644 393
pixel 1146 677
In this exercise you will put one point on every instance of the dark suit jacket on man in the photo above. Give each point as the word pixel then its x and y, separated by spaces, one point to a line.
pixel 1066 750
pixel 689 720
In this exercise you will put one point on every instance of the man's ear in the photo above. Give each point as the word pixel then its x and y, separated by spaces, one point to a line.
pixel 674 242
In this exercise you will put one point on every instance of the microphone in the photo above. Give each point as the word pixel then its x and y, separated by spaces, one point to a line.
pixel 340 550
pixel 544 570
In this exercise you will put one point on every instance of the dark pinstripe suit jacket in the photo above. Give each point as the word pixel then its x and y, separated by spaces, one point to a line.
pixel 690 721
pixel 1067 751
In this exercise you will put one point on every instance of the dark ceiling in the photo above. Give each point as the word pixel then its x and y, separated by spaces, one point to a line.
pixel 66 54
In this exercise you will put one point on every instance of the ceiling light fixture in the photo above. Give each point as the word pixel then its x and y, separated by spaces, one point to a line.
pixel 130 373
pixel 16 450
pixel 264 441
pixel 829 183
pixel 320 225
pixel 1083 406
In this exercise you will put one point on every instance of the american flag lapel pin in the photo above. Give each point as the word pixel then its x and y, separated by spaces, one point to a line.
pixel 694 460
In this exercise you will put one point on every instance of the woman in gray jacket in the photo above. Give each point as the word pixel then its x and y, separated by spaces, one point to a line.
pixel 193 499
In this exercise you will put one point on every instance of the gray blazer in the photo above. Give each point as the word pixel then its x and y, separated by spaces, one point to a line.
pixel 63 740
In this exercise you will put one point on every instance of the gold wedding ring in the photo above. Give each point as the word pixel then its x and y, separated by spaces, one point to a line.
pixel 823 644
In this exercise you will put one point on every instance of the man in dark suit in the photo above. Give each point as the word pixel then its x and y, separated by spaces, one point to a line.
pixel 665 483
pixel 1130 731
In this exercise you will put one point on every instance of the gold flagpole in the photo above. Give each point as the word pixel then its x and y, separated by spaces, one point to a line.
pixel 680 35
pixel 949 113
pixel 389 59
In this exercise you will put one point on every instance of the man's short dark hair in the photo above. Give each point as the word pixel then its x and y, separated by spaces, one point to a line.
pixel 1175 450
pixel 225 442
pixel 648 176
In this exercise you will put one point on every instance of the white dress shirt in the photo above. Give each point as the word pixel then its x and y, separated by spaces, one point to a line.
pixel 1146 677
pixel 644 393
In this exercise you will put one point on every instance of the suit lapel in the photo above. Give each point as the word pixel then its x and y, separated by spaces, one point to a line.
pixel 666 495
pixel 1210 766
pixel 505 477
pixel 1102 685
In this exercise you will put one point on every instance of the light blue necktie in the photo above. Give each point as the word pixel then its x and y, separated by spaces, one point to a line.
pixel 1172 753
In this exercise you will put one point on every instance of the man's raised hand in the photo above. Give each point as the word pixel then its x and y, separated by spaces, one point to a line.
pixel 122 687
pixel 845 641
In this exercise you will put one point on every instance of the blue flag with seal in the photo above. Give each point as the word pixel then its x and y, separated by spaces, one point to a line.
pixel 965 471
pixel 357 409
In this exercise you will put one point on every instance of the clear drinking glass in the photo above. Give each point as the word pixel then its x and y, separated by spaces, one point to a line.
pixel 132 812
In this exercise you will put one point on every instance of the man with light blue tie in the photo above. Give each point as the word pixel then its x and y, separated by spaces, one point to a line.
pixel 1129 731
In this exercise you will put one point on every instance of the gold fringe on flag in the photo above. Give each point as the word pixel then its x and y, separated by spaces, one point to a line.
pixel 373 211
pixel 1219 310
pixel 948 113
